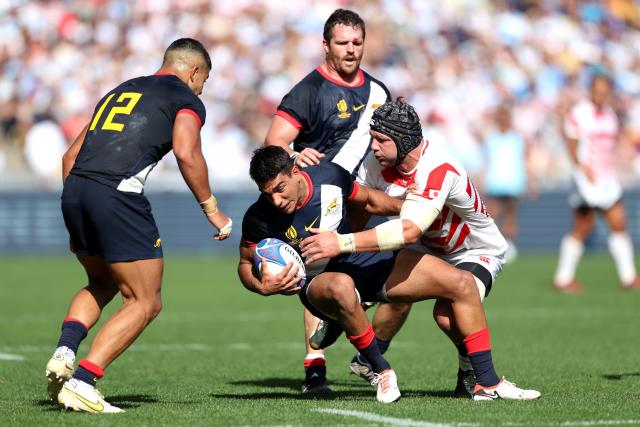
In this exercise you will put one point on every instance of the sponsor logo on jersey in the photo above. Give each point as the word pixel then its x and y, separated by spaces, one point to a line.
pixel 343 109
pixel 310 226
pixel 359 107
pixel 332 208
pixel 158 243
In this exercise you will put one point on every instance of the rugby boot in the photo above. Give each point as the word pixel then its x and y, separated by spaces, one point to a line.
pixel 79 396
pixel 465 385
pixel 315 384
pixel 59 369
pixel 326 333
pixel 361 368
pixel 504 390
pixel 633 286
pixel 387 386
pixel 572 287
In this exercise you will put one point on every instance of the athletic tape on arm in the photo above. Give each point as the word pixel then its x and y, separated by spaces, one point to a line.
pixel 417 211
pixel 390 235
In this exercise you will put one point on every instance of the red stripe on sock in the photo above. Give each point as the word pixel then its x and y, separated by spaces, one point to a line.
pixel 92 367
pixel 477 342
pixel 363 340
pixel 71 319
pixel 312 363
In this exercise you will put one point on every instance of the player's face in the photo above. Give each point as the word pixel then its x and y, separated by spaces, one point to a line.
pixel 344 50
pixel 384 148
pixel 284 191
pixel 601 92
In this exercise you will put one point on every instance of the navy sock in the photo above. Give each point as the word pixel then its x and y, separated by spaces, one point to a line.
pixel 483 368
pixel 73 332
pixel 88 372
pixel 367 345
pixel 315 370
pixel 383 346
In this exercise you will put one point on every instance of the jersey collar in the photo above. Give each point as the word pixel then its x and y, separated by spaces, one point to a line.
pixel 310 194
pixel 338 82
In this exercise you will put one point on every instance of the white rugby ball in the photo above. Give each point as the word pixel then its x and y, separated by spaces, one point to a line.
pixel 278 254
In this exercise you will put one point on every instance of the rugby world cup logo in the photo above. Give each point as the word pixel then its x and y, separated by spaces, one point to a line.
pixel 342 109
pixel 292 235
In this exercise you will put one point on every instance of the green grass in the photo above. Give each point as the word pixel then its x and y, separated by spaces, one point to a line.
pixel 220 355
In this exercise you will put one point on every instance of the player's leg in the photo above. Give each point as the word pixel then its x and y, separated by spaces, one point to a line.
pixel 387 322
pixel 315 368
pixel 84 311
pixel 416 277
pixel 335 296
pixel 139 283
pixel 571 249
pixel 621 246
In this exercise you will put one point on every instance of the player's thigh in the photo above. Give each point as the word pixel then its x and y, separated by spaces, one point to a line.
pixel 139 280
pixel 584 218
pixel 328 292
pixel 616 217
pixel 98 272
pixel 418 276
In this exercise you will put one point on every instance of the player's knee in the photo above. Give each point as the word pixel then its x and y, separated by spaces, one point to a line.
pixel 151 308
pixel 342 292
pixel 464 287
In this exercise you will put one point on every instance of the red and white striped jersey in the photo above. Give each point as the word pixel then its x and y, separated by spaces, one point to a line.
pixel 463 227
pixel 597 134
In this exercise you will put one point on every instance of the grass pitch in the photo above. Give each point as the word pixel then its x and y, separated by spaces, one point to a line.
pixel 220 355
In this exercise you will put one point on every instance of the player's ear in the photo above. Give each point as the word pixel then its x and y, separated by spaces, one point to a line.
pixel 325 46
pixel 193 72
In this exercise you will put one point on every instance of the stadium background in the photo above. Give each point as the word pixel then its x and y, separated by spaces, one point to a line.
pixel 455 61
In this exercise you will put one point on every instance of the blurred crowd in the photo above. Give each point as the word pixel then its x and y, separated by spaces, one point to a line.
pixel 456 61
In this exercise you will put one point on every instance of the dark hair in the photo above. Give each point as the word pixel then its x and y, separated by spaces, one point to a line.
pixel 601 75
pixel 187 44
pixel 342 17
pixel 268 162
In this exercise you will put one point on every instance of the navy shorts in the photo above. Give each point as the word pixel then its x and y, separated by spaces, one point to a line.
pixel 368 270
pixel 115 225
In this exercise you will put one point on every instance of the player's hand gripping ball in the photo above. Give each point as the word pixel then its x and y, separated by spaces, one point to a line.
pixel 278 254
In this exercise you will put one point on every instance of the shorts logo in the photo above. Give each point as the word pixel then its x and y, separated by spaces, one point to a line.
pixel 158 243
pixel 484 259
pixel 342 109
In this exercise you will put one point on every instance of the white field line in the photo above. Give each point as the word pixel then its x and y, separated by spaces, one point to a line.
pixel 404 422
pixel 583 423
pixel 12 357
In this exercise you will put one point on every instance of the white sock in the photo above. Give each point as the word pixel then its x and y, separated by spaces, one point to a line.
pixel 570 252
pixel 621 249
pixel 311 356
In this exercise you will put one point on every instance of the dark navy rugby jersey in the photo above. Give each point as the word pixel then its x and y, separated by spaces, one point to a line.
pixel 132 129
pixel 331 187
pixel 333 118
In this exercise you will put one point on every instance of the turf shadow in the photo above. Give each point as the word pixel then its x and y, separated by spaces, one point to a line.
pixel 618 377
pixel 340 394
pixel 127 401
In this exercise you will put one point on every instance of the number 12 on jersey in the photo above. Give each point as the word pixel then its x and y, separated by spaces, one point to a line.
pixel 109 124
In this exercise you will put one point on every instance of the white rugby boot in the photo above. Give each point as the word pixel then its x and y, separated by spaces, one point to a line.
pixel 81 397
pixel 59 369
pixel 504 390
pixel 387 386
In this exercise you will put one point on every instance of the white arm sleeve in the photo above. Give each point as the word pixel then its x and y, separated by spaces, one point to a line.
pixel 418 210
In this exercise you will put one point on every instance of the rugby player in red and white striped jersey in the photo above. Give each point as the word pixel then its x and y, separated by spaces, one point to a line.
pixel 442 215
pixel 591 132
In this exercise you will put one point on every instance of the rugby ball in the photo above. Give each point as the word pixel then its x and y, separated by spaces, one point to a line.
pixel 278 254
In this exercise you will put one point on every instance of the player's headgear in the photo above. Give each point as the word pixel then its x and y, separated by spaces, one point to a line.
pixel 399 121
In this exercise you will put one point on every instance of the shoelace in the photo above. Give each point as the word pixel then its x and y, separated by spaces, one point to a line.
pixel 383 380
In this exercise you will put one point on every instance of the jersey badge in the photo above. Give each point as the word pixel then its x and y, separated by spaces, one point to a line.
pixel 343 109
pixel 332 208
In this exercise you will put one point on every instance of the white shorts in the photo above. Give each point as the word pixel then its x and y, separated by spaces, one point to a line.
pixel 601 194
pixel 493 265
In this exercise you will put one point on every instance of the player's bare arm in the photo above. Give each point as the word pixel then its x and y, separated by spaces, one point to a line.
pixel 69 157
pixel 285 283
pixel 572 148
pixel 282 133
pixel 186 147
pixel 415 217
